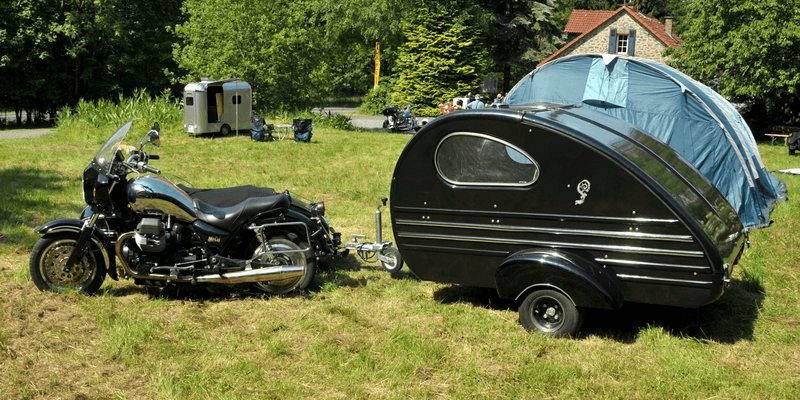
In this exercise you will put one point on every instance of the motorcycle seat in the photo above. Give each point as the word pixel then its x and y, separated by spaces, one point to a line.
pixel 228 218
pixel 226 197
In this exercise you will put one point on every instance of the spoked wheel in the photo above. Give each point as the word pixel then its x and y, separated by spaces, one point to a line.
pixel 285 252
pixel 391 260
pixel 49 257
pixel 551 313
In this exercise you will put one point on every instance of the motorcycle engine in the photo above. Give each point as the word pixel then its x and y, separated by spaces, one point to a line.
pixel 151 235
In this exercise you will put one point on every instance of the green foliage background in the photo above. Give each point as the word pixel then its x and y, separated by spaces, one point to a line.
pixel 298 54
pixel 441 57
pixel 747 51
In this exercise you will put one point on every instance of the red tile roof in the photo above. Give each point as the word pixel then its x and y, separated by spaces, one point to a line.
pixel 586 21
pixel 582 21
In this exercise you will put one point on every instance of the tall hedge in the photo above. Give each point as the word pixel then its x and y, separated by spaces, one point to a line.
pixel 442 57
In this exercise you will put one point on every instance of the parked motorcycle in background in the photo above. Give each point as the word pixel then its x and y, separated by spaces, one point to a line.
pixel 400 121
pixel 164 233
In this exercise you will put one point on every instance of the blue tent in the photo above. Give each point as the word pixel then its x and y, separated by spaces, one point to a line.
pixel 697 122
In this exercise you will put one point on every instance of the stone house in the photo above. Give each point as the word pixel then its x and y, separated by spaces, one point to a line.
pixel 623 31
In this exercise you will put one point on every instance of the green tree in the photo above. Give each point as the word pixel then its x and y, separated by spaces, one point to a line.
pixel 277 46
pixel 744 49
pixel 56 52
pixel 520 33
pixel 353 27
pixel 442 56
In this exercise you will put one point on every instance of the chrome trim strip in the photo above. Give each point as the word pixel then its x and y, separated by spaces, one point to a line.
pixel 656 279
pixel 516 215
pixel 651 264
pixel 584 246
pixel 484 252
pixel 552 231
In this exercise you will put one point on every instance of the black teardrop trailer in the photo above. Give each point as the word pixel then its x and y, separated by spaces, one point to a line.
pixel 563 209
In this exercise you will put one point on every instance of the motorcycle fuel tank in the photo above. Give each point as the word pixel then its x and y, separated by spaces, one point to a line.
pixel 153 194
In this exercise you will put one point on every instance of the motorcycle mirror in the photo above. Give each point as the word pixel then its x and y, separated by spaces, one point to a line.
pixel 151 137
pixel 154 137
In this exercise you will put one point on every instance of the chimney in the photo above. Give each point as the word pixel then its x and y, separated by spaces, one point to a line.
pixel 668 25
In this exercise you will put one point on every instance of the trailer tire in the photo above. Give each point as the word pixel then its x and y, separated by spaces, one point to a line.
pixel 550 312
pixel 391 260
pixel 225 130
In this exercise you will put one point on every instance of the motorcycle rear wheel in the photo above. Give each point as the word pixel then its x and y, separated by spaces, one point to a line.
pixel 291 256
pixel 49 257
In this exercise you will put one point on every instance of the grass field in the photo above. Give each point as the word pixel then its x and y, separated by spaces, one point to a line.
pixel 358 333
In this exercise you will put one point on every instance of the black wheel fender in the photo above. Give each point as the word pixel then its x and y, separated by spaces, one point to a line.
pixel 74 225
pixel 585 282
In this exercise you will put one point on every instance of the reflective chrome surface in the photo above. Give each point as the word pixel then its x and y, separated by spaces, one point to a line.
pixel 152 193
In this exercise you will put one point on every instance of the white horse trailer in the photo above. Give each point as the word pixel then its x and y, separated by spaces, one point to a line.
pixel 222 106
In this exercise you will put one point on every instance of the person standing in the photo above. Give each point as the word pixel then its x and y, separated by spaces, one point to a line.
pixel 476 104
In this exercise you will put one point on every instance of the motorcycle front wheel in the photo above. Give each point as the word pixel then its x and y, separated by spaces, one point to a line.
pixel 285 251
pixel 49 257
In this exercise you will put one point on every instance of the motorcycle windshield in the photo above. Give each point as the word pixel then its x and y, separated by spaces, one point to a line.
pixel 105 157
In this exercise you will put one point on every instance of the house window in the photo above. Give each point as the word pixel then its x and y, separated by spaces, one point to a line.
pixel 622 43
pixel 474 159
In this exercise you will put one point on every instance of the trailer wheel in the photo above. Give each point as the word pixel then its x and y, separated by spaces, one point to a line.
pixel 391 260
pixel 225 130
pixel 551 313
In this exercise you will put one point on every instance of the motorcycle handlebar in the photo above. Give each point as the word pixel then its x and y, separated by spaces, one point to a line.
pixel 153 156
pixel 147 168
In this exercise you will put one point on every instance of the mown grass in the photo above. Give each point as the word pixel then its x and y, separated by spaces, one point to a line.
pixel 359 333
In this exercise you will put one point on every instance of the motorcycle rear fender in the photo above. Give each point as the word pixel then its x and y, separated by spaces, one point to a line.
pixel 585 282
pixel 74 226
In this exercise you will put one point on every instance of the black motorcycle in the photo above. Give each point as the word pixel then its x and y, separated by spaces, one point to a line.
pixel 159 233
pixel 400 121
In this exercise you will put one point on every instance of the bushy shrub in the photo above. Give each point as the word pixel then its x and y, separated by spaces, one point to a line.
pixel 141 106
pixel 377 98
pixel 326 119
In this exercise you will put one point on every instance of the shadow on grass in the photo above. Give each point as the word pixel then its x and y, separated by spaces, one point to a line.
pixel 19 199
pixel 332 272
pixel 729 320
pixel 204 293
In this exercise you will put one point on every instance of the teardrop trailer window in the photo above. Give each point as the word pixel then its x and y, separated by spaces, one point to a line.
pixel 473 159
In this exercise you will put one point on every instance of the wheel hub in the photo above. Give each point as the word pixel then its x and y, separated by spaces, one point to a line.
pixel 55 262
pixel 548 313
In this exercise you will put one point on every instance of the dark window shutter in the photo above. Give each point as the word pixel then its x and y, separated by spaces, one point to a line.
pixel 612 42
pixel 631 42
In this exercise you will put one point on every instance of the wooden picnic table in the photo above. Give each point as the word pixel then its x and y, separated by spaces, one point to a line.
pixel 782 132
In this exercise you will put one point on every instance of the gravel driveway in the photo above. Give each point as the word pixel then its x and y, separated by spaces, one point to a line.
pixel 368 122
pixel 24 133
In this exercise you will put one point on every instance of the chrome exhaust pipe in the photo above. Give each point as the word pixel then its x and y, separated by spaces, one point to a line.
pixel 276 273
